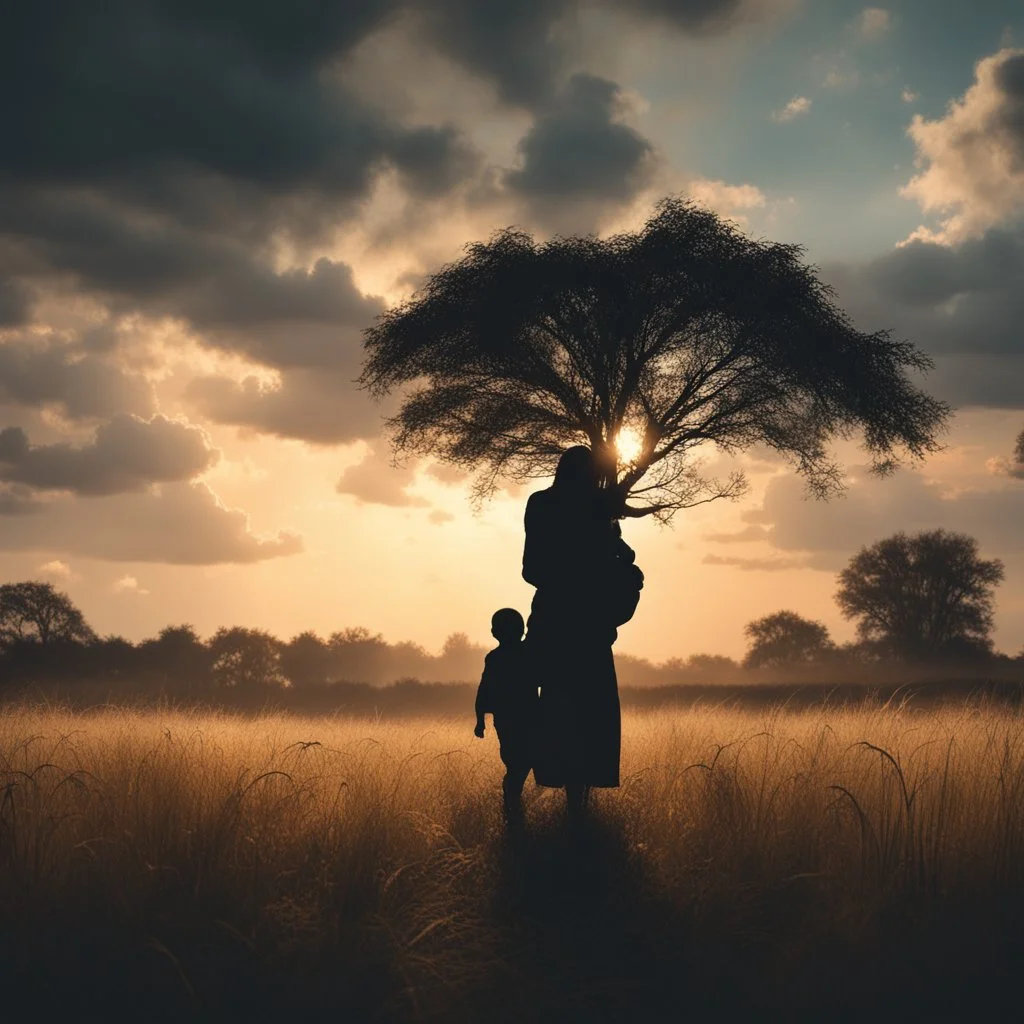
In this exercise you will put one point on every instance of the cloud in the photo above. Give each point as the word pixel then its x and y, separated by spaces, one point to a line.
pixel 744 536
pixel 513 43
pixel 249 295
pixel 18 500
pixel 225 289
pixel 315 406
pixel 963 302
pixel 128 585
pixel 837 79
pixel 216 164
pixel 580 154
pixel 872 508
pixel 179 523
pixel 959 292
pixel 908 95
pixel 15 301
pixel 445 473
pixel 973 157
pixel 706 16
pixel 796 107
pixel 524 46
pixel 127 454
pixel 207 195
pixel 55 569
pixel 1012 467
pixel 376 481
pixel 756 564
pixel 725 198
pixel 1006 467
pixel 255 104
pixel 38 370
pixel 873 22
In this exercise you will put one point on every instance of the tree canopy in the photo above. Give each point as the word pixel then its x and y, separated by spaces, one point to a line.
pixel 248 659
pixel 922 596
pixel 35 611
pixel 785 638
pixel 683 335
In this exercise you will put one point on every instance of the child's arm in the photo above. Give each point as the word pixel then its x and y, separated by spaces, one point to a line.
pixel 482 706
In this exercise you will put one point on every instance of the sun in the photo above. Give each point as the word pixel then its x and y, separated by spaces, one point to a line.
pixel 628 444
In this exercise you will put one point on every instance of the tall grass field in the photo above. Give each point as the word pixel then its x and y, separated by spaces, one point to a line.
pixel 850 863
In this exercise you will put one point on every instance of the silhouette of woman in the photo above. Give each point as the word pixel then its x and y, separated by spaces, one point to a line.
pixel 572 545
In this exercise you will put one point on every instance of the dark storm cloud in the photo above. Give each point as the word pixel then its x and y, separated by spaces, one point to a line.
pixel 513 43
pixel 101 93
pixel 577 151
pixel 166 269
pixel 1009 78
pixel 181 524
pixel 981 279
pixel 52 371
pixel 127 454
pixel 525 46
pixel 15 300
pixel 964 304
pixel 156 151
pixel 696 15
pixel 992 381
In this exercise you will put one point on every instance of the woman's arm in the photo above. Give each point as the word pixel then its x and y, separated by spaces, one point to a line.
pixel 537 551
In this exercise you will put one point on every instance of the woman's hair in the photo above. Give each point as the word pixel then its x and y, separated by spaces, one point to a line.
pixel 577 468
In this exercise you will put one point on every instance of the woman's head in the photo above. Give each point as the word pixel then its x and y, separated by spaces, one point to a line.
pixel 577 469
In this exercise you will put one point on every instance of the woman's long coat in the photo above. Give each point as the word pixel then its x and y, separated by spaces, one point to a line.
pixel 570 633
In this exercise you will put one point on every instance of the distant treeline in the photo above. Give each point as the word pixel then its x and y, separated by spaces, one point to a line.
pixel 48 650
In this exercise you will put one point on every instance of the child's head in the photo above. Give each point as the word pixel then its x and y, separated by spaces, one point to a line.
pixel 507 626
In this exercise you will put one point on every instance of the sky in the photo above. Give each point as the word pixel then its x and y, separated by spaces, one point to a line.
pixel 204 204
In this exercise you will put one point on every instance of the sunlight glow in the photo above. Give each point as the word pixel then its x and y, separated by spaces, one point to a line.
pixel 629 444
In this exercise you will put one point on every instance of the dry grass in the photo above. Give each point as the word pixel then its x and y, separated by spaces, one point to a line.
pixel 825 864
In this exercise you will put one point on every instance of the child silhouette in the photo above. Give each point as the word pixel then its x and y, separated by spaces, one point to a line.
pixel 508 692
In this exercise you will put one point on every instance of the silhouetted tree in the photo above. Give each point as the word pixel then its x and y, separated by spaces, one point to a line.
pixel 112 656
pixel 306 660
pixel 460 659
pixel 785 638
pixel 922 596
pixel 35 611
pixel 179 658
pixel 1018 451
pixel 246 659
pixel 710 668
pixel 687 332
pixel 358 656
